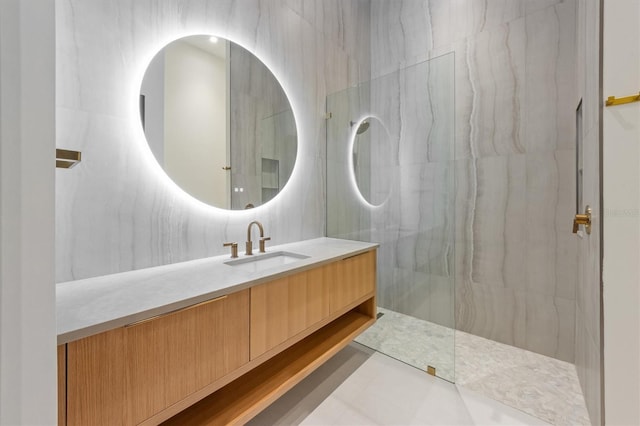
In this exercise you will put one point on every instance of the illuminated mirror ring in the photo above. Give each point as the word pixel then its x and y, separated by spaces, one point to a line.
pixel 371 165
pixel 218 122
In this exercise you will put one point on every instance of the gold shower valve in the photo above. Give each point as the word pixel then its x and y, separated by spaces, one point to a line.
pixel 583 219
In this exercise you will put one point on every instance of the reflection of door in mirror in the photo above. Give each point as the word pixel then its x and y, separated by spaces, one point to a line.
pixel 218 122
pixel 186 116
pixel 263 131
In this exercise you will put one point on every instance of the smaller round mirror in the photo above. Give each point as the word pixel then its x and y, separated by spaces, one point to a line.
pixel 218 122
pixel 372 160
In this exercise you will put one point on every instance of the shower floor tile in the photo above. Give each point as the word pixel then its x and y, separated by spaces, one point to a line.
pixel 403 337
pixel 541 386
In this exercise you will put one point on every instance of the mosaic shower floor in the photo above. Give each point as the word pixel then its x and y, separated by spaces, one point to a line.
pixel 538 385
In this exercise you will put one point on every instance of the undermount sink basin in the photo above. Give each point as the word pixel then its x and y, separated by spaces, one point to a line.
pixel 265 261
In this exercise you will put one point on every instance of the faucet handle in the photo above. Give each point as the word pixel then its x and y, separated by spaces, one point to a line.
pixel 262 241
pixel 234 249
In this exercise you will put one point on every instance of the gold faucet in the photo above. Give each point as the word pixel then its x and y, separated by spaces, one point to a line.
pixel 249 244
pixel 234 249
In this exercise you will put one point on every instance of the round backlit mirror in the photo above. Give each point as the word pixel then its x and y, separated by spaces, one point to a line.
pixel 218 122
pixel 372 160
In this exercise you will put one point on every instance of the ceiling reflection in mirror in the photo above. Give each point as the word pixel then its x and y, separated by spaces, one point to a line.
pixel 218 122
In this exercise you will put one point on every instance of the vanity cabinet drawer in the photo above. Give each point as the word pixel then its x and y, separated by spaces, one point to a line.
pixel 127 375
pixel 282 308
pixel 351 279
pixel 286 307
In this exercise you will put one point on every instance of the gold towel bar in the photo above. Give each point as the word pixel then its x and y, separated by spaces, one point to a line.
pixel 66 159
pixel 611 100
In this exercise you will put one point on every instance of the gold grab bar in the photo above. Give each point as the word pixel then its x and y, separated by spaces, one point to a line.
pixel 186 308
pixel 611 100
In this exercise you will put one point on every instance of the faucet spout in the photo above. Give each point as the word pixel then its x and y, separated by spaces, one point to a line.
pixel 249 244
pixel 255 222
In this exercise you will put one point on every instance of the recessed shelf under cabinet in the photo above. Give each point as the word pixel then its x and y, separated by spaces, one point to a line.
pixel 244 398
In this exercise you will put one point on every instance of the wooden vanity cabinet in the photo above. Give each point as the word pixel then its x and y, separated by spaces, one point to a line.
pixel 221 361
pixel 127 375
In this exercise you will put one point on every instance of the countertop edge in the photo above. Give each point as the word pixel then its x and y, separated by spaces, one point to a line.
pixel 67 336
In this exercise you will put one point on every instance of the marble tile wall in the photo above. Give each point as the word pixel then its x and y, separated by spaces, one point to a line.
pixel 117 211
pixel 515 257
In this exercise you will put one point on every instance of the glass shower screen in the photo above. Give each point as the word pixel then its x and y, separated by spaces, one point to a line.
pixel 390 180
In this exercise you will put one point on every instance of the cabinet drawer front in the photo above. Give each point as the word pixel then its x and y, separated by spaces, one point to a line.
pixel 285 307
pixel 171 357
pixel 282 308
pixel 129 374
pixel 354 278
pixel 96 388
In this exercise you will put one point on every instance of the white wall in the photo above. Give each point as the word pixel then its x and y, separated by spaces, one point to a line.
pixel 27 132
pixel 621 192
pixel 195 125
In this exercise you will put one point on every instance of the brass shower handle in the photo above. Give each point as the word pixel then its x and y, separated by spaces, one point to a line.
pixel 583 219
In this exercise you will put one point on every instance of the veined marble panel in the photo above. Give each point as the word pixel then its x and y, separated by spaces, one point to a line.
pixel 550 207
pixel 541 324
pixel 494 313
pixel 499 249
pixel 496 70
pixel 551 91
pixel 515 100
pixel 533 6
pixel 407 33
pixel 117 211
pixel 469 18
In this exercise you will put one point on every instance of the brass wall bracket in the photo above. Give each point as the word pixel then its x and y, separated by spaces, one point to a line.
pixel 611 100
pixel 66 159
pixel 431 370
pixel 583 219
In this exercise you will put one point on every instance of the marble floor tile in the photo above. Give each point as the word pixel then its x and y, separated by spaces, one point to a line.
pixel 543 387
pixel 487 411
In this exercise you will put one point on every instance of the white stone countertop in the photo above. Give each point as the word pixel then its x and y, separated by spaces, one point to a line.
pixel 94 305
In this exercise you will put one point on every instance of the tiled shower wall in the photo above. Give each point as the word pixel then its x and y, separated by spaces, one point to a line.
pixel 516 95
pixel 116 211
